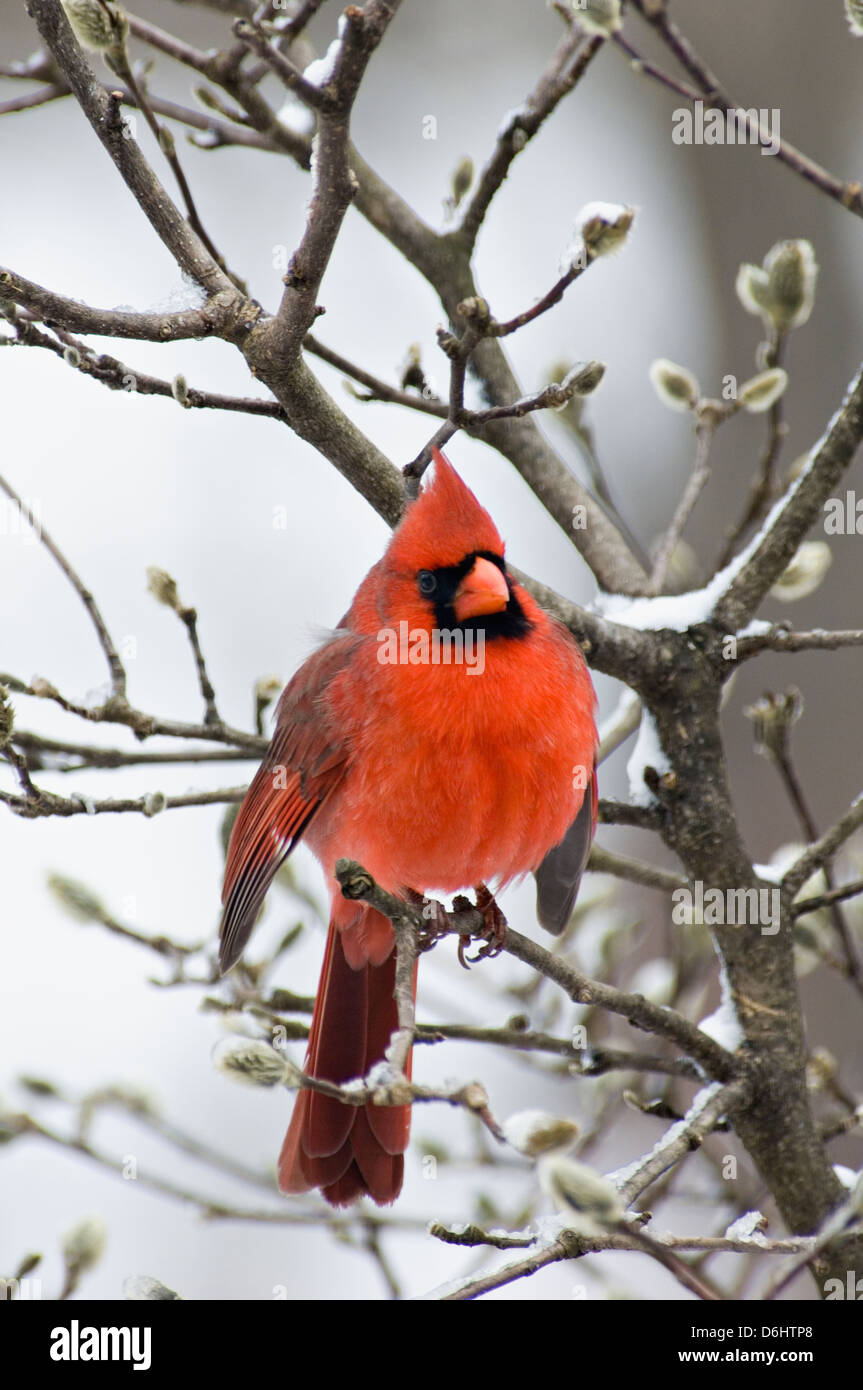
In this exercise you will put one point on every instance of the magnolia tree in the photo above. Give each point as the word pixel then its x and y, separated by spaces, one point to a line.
pixel 742 1084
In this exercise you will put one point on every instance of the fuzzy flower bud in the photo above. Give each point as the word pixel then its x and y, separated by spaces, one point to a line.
pixel 84 1245
pixel 461 180
pixel 603 227
pixel 42 689
pixel 760 392
pixel 253 1062
pixel 782 289
pixel 675 386
pixel 533 1132
pixel 774 716
pixel 805 573
pixel 180 391
pixel 76 898
pixel 580 1192
pixel 163 587
pixel 584 378
pixel 412 374
pixel 97 24
pixel 266 689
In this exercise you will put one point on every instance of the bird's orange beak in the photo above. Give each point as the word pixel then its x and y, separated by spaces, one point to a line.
pixel 483 590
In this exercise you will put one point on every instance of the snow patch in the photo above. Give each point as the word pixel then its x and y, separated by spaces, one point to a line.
pixel 185 295
pixel 322 70
pixel 723 1026
pixel 295 117
pixel 512 119
pixel 746 1227
pixel 846 1176
pixel 646 753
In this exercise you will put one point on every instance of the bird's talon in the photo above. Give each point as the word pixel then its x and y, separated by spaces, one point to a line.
pixel 494 932
pixel 438 924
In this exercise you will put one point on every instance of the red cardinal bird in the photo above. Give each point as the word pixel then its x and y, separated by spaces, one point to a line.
pixel 436 776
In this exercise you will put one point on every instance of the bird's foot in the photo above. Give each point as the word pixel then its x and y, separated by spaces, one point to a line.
pixel 435 916
pixel 493 933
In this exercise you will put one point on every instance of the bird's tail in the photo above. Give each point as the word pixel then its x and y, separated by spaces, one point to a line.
pixel 348 1151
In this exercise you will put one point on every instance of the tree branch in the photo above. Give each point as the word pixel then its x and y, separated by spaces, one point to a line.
pixel 103 114
pixel 115 665
pixel 580 988
pixel 772 549
pixel 211 319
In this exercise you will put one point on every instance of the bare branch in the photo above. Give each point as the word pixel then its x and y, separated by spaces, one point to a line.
pixel 849 195
pixel 118 376
pixel 378 390
pixel 143 725
pixel 773 548
pixel 115 665
pixel 311 1214
pixel 835 895
pixel 335 181
pixel 567 66
pixel 781 639
pixel 40 97
pixel 764 488
pixel 151 804
pixel 580 988
pixel 602 861
pixel 697 482
pixel 102 111
pixel 824 849
pixel 50 308
pixel 708 1107
pixel 249 34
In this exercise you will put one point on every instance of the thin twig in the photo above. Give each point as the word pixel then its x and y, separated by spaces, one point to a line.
pixel 709 1106
pixel 152 803
pixel 835 895
pixel 103 113
pixel 118 376
pixel 823 850
pixel 27 102
pixel 848 194
pixel 173 327
pixel 698 479
pixel 764 487
pixel 780 639
pixel 780 750
pixel 115 665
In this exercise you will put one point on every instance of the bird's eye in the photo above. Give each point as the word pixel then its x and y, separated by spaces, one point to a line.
pixel 426 582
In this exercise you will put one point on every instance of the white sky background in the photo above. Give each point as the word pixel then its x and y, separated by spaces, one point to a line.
pixel 123 482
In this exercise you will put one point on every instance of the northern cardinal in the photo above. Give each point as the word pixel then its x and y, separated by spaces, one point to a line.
pixel 437 776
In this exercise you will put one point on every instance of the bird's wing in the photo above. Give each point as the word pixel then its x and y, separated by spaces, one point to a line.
pixel 559 874
pixel 306 760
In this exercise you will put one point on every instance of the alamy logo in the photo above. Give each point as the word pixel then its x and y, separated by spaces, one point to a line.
pixel 441 646
pixel 727 907
pixel 76 1343
pixel 714 125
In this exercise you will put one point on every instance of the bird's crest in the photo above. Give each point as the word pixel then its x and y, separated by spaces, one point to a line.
pixel 445 523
